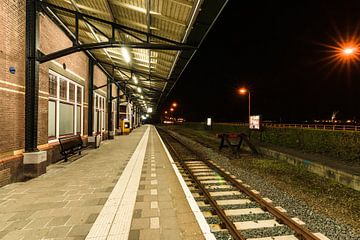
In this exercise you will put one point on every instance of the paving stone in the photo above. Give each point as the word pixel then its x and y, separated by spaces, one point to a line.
pixel 150 213
pixel 79 230
pixel 38 223
pixel 17 225
pixel 134 235
pixel 147 234
pixel 140 198
pixel 92 218
pixel 137 213
pixel 173 234
pixel 168 212
pixel 140 223
pixel 58 221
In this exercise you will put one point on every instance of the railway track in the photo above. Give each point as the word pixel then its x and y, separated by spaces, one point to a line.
pixel 232 208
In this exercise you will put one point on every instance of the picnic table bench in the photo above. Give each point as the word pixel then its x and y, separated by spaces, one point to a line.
pixel 234 141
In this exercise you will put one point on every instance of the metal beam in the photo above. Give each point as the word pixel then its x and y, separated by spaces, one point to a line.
pixel 56 20
pixel 115 44
pixel 117 108
pixel 112 24
pixel 91 98
pixel 31 78
pixel 109 108
pixel 95 87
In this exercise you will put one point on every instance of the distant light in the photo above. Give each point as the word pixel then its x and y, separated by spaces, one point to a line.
pixel 139 90
pixel 349 50
pixel 166 112
pixel 143 117
pixel 126 54
pixel 147 115
pixel 135 79
pixel 171 109
pixel 142 97
pixel 149 110
pixel 174 104
pixel 243 91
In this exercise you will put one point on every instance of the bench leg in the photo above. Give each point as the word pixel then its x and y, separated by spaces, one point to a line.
pixel 79 152
pixel 65 158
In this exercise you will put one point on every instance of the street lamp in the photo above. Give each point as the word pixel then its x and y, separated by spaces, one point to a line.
pixel 244 91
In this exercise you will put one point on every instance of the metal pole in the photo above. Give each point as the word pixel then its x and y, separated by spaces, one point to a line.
pixel 31 78
pixel 117 107
pixel 109 112
pixel 91 98
pixel 249 109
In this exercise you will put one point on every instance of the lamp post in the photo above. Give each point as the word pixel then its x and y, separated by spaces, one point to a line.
pixel 244 91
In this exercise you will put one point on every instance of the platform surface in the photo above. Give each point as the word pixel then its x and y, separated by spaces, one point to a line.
pixel 126 189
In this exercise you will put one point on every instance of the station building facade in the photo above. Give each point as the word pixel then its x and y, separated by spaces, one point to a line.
pixel 63 93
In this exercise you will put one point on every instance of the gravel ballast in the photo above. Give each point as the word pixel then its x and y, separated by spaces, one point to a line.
pixel 295 208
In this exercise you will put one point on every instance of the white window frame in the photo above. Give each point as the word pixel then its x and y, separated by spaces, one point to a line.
pixel 57 101
pixel 101 107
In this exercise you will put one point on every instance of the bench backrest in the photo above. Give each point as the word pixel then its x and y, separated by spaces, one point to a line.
pixel 71 142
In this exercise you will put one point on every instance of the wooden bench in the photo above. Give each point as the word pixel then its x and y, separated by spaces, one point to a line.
pixel 228 139
pixel 70 145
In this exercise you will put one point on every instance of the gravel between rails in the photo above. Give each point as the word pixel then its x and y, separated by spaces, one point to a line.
pixel 296 208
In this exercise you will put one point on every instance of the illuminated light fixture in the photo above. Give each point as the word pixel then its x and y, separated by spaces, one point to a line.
pixel 142 97
pixel 143 117
pixel 139 90
pixel 166 112
pixel 349 50
pixel 149 110
pixel 171 109
pixel 174 104
pixel 135 79
pixel 147 115
pixel 126 54
pixel 243 91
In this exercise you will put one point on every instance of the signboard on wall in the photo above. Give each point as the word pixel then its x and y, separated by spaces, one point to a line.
pixel 255 122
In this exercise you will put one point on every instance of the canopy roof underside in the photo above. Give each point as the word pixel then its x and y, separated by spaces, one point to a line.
pixel 160 37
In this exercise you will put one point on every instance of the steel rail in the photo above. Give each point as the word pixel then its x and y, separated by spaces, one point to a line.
pixel 220 213
pixel 300 231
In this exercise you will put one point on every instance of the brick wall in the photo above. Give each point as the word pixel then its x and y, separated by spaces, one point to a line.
pixel 12 90
pixel 12 52
pixel 53 39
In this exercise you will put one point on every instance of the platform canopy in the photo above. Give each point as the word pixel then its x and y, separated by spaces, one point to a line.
pixel 143 45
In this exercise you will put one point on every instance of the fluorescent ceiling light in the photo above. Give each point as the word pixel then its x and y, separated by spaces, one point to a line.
pixel 125 54
pixel 139 90
pixel 135 79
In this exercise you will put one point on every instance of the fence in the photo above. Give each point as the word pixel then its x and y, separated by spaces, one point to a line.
pixel 332 127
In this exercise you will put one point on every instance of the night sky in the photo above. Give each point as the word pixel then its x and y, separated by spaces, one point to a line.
pixel 278 51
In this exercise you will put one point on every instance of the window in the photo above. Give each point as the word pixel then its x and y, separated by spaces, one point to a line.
pixel 63 89
pixel 78 94
pixel 52 85
pixel 71 92
pixel 65 107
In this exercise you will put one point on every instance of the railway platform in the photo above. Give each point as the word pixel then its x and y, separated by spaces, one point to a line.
pixel 126 189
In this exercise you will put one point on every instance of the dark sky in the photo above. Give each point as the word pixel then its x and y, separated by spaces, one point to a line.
pixel 274 49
